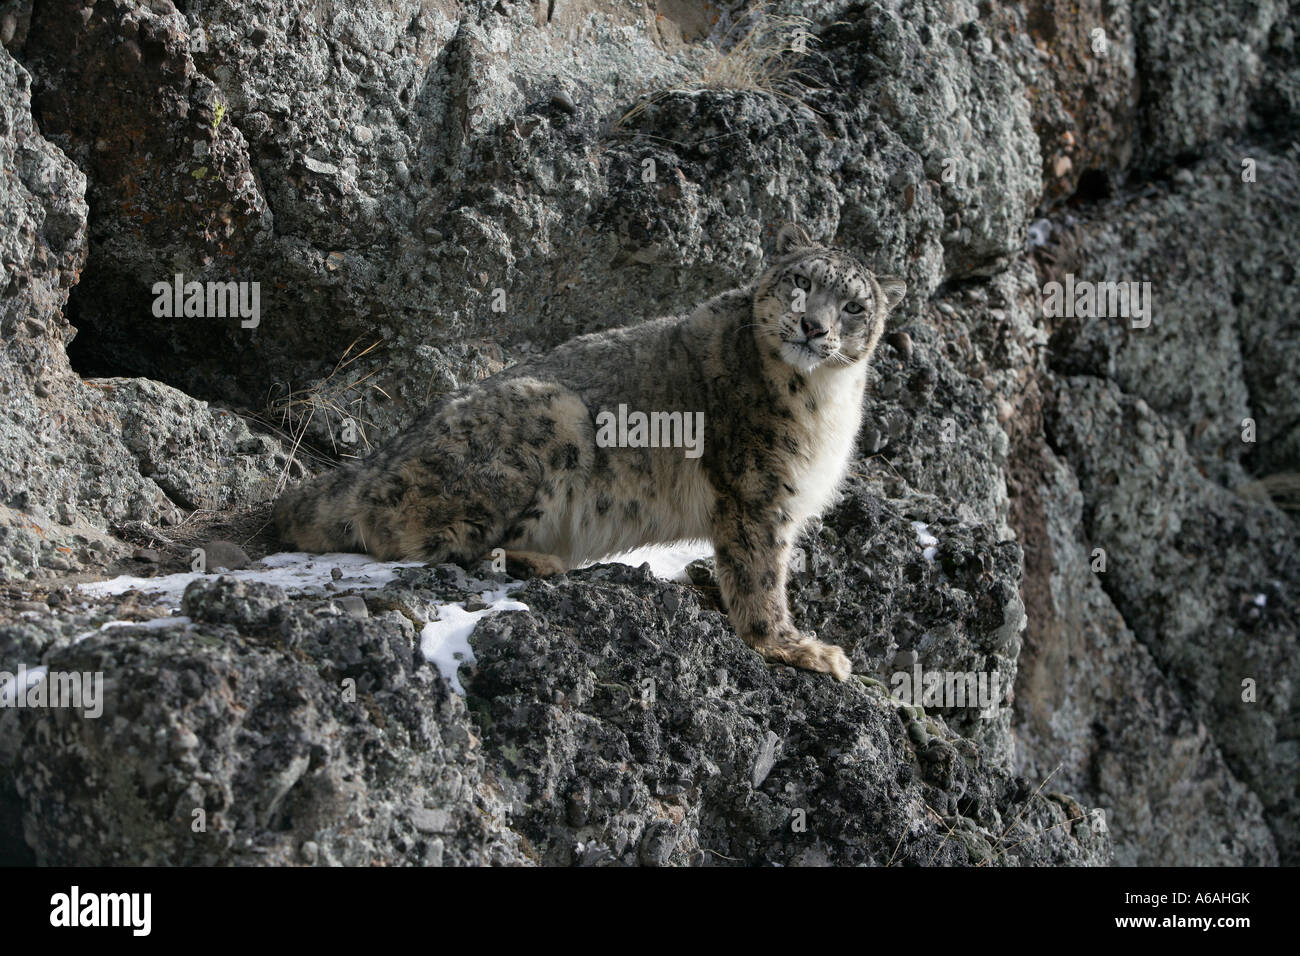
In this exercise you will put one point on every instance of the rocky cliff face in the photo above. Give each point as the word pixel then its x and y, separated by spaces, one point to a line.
pixel 1090 511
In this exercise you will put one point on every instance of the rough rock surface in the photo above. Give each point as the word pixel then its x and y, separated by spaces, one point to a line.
pixel 1094 702
pixel 1211 634
pixel 426 192
pixel 615 722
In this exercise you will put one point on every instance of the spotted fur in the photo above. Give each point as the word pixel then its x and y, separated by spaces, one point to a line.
pixel 512 462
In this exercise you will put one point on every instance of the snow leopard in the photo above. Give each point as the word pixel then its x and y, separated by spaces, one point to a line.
pixel 539 462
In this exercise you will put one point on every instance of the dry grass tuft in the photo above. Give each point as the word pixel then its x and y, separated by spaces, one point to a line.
pixel 759 53
pixel 334 399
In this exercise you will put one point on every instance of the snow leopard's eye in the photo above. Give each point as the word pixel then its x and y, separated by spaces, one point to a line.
pixel 803 282
pixel 853 308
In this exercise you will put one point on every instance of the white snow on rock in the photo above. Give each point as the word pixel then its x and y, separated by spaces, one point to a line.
pixel 667 562
pixel 445 642
pixel 152 624
pixel 291 570
pixel 928 542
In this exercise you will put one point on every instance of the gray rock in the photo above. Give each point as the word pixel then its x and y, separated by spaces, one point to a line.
pixel 1159 521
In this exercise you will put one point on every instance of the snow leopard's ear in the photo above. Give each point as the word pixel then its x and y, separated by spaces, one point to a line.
pixel 792 236
pixel 892 289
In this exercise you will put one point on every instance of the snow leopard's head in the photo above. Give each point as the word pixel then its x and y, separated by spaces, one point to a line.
pixel 820 305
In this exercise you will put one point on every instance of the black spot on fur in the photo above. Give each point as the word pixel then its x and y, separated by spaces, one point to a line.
pixel 565 456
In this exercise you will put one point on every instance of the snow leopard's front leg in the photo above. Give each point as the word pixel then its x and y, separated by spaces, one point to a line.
pixel 752 548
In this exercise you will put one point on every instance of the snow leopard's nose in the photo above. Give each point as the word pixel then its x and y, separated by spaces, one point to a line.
pixel 812 328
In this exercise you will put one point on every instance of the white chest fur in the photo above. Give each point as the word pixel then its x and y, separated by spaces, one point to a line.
pixel 830 433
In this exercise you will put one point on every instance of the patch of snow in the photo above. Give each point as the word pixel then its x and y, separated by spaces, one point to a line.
pixel 152 624
pixel 291 570
pixel 667 562
pixel 928 542
pixel 445 642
